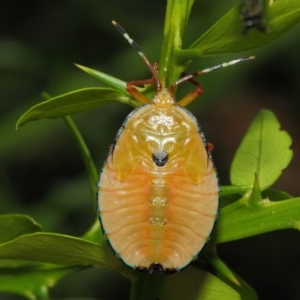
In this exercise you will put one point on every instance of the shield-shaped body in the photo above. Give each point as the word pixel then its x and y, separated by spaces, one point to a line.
pixel 158 190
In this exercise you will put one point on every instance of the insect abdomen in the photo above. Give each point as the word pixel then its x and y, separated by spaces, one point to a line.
pixel 149 223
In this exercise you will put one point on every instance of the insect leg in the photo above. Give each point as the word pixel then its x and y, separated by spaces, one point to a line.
pixel 137 94
pixel 210 146
pixel 193 94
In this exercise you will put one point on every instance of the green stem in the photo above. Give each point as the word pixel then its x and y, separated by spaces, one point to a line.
pixel 235 189
pixel 177 15
pixel 230 278
pixel 85 153
pixel 248 220
pixel 146 287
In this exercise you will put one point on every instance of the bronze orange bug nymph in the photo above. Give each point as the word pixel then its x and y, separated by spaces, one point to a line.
pixel 159 190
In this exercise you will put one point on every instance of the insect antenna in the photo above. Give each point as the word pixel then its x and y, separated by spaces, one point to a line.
pixel 140 53
pixel 198 73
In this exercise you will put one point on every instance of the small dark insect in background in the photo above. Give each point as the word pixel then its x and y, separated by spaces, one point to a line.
pixel 251 13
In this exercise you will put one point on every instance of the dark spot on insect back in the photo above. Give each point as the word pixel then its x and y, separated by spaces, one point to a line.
pixel 160 157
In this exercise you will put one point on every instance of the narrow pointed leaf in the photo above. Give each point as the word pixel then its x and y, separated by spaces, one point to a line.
pixel 226 35
pixel 74 102
pixel 265 150
pixel 111 81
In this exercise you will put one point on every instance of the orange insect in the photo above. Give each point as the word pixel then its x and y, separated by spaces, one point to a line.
pixel 159 190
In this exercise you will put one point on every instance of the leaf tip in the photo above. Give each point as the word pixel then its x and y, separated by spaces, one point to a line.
pixel 80 66
pixel 18 124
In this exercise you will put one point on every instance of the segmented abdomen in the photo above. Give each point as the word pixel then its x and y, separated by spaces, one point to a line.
pixel 156 217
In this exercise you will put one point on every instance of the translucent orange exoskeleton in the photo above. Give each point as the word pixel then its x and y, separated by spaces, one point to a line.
pixel 158 190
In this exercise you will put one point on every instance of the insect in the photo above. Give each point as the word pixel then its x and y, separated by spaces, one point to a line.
pixel 158 190
pixel 251 12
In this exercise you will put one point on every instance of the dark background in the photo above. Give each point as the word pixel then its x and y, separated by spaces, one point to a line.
pixel 41 172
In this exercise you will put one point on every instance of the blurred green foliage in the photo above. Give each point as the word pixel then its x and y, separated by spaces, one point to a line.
pixel 40 165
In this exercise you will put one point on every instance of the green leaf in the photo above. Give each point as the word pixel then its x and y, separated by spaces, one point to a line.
pixel 74 102
pixel 13 226
pixel 30 280
pixel 120 85
pixel 20 276
pixel 264 150
pixel 226 35
pixel 111 81
pixel 63 250
pixel 195 284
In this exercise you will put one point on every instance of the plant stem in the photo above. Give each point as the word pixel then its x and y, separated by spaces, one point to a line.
pixel 245 221
pixel 85 153
pixel 177 15
pixel 146 287
pixel 230 278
